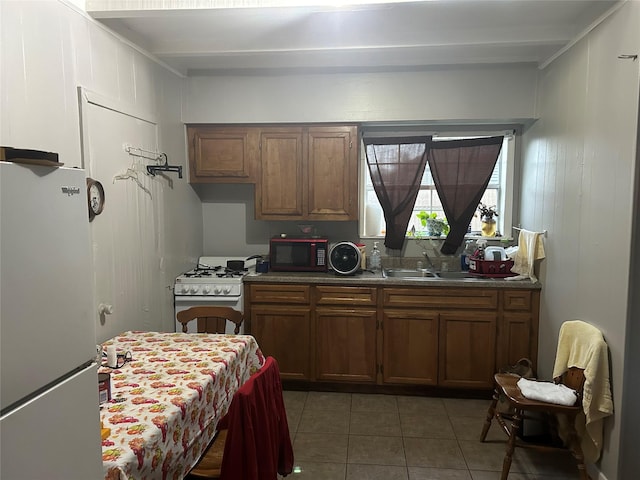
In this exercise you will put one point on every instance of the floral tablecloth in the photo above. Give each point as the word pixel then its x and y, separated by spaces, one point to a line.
pixel 167 401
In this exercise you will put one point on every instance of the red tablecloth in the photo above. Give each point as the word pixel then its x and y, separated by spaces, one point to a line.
pixel 166 402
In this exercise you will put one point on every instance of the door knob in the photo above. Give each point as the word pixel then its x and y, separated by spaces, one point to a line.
pixel 105 309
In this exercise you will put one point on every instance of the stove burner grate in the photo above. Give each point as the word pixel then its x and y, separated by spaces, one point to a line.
pixel 230 273
pixel 203 271
pixel 207 268
pixel 197 274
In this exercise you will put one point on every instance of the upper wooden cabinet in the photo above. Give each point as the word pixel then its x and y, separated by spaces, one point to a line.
pixel 332 173
pixel 223 154
pixel 301 172
pixel 279 191
pixel 308 173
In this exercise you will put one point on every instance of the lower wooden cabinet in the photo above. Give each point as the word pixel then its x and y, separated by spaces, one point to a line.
pixel 460 334
pixel 280 320
pixel 424 336
pixel 346 344
pixel 518 332
pixel 284 333
pixel 467 349
pixel 410 347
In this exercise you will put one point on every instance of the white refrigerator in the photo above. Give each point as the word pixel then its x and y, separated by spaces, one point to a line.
pixel 50 418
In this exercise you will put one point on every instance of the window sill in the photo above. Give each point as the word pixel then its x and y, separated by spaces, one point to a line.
pixel 466 237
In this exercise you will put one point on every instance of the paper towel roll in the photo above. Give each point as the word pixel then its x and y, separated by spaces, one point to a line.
pixel 373 220
pixel 112 357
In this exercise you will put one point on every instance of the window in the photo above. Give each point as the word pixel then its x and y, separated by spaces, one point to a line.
pixel 499 192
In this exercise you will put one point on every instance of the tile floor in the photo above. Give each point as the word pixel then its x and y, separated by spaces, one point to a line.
pixel 342 436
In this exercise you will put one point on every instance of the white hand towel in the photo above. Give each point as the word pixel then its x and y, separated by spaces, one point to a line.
pixel 530 249
pixel 547 392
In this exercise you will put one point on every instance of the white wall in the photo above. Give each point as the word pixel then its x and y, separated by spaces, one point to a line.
pixel 438 94
pixel 49 48
pixel 629 461
pixel 230 228
pixel 579 167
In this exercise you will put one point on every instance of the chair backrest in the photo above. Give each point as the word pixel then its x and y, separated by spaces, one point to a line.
pixel 578 346
pixel 574 379
pixel 211 319
pixel 258 443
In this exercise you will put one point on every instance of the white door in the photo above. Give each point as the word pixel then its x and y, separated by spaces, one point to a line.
pixel 126 236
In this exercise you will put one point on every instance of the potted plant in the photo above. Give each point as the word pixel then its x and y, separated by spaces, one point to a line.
pixel 435 226
pixel 489 224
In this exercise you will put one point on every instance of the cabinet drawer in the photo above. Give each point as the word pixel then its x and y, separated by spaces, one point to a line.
pixel 429 297
pixel 280 294
pixel 355 296
pixel 516 300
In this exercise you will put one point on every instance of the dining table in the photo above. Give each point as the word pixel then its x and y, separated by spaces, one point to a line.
pixel 167 394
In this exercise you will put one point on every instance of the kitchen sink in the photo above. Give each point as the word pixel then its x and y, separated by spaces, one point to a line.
pixel 455 275
pixel 417 274
pixel 407 273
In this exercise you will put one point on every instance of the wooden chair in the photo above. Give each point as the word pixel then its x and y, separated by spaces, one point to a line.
pixel 210 463
pixel 507 389
pixel 211 319
pixel 254 440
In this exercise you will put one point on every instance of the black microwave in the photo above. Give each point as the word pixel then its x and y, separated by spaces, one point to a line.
pixel 298 254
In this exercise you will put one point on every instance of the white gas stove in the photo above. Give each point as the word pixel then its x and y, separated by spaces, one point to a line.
pixel 214 281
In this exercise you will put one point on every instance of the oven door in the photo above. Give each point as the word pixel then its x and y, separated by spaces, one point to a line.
pixel 183 302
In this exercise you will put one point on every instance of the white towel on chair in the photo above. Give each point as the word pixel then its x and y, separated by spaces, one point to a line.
pixel 547 392
pixel 582 345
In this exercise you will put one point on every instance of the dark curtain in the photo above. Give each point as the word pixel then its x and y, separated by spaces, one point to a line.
pixel 461 170
pixel 396 166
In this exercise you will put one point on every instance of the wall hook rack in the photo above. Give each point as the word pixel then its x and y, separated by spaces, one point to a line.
pixel 153 169
pixel 157 156
pixel 142 153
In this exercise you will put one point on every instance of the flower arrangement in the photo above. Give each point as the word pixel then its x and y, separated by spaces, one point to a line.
pixel 488 223
pixel 487 213
pixel 435 226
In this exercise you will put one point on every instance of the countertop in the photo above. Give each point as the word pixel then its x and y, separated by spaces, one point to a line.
pixel 376 279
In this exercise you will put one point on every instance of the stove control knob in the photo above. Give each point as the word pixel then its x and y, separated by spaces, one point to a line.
pixel 217 290
pixel 194 289
pixel 206 289
pixel 227 290
pixel 184 289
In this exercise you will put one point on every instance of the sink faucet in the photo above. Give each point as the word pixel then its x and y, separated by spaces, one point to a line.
pixel 431 266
